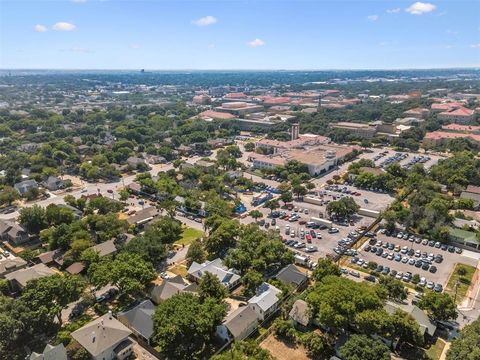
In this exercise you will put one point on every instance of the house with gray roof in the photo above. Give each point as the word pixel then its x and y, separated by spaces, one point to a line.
pixel 300 314
pixel 24 186
pixel 13 232
pixel 143 216
pixel 53 183
pixel 169 288
pixel 51 352
pixel 105 338
pixel 226 276
pixel 427 326
pixel 139 320
pixel 266 300
pixel 106 248
pixel 11 264
pixel 18 279
pixel 291 276
pixel 239 324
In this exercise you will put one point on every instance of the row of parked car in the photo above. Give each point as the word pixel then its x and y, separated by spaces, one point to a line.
pixel 393 159
pixel 406 277
pixel 416 159
pixel 419 240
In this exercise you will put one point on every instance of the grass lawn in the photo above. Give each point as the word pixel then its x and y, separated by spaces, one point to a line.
pixel 189 234
pixel 463 280
pixel 435 350
pixel 179 270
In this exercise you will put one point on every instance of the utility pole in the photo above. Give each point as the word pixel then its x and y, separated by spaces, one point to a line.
pixel 457 284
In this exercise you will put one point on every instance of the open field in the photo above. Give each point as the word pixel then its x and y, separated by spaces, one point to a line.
pixel 282 351
pixel 189 234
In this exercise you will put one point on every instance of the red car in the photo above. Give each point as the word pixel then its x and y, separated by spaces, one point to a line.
pixel 308 237
pixel 302 222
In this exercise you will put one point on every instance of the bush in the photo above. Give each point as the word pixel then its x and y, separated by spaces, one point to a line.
pixel 464 280
pixel 461 271
pixel 314 344
pixel 416 279
pixel 372 265
pixel 285 330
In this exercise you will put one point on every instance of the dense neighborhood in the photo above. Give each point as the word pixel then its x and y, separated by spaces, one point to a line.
pixel 296 220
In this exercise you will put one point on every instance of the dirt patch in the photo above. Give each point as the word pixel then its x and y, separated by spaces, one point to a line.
pixel 283 351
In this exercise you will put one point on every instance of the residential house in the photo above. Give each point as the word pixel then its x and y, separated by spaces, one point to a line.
pixel 205 165
pixel 105 338
pixel 18 279
pixel 53 257
pixel 427 326
pixel 136 162
pixel 24 186
pixel 54 183
pixel 29 148
pixel 239 324
pixel 291 276
pixel 76 268
pixel 57 352
pixel 227 277
pixel 12 232
pixel 77 213
pixel 106 248
pixel 143 216
pixel 11 264
pixel 139 320
pixel 300 314
pixel 472 192
pixel 169 288
pixel 266 300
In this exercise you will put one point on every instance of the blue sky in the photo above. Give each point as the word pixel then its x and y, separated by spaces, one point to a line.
pixel 229 34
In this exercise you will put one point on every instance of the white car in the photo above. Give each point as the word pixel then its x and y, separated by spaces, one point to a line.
pixel 423 282
pixel 430 285
pixel 405 260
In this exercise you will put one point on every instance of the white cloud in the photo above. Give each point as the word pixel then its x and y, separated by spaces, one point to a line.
pixel 40 28
pixel 452 32
pixel 63 26
pixel 393 11
pixel 256 43
pixel 135 46
pixel 78 50
pixel 205 21
pixel 420 8
pixel 475 46
pixel 211 46
pixel 372 17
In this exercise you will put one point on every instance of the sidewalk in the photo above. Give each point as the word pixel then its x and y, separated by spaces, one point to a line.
pixel 443 356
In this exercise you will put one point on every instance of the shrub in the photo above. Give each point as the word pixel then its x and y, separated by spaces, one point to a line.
pixel 461 271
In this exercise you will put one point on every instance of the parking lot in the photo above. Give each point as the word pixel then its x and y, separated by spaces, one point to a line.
pixel 371 200
pixel 326 242
pixel 443 268
pixel 405 159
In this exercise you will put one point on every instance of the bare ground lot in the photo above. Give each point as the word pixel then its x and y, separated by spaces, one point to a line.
pixel 282 351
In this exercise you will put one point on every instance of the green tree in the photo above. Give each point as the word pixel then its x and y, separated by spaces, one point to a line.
pixel 255 214
pixel 272 205
pixel 324 268
pixel 148 247
pixel 8 195
pixel 53 293
pixel 195 253
pixel 184 326
pixel 210 286
pixel 222 238
pixel 361 347
pixel 440 306
pixel 124 194
pixel 56 215
pixel 250 146
pixel 244 350
pixel 395 289
pixel 128 272
pixel 33 219
pixel 467 346
pixel 251 281
pixel 167 230
pixel 343 208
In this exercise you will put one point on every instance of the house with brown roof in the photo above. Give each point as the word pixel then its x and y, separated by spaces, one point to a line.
pixel 419 113
pixel 13 232
pixel 169 288
pixel 17 280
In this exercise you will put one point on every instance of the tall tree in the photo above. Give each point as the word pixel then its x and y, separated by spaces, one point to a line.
pixel 439 306
pixel 467 346
pixel 183 326
pixel 361 347
pixel 195 253
pixel 210 286
pixel 33 219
